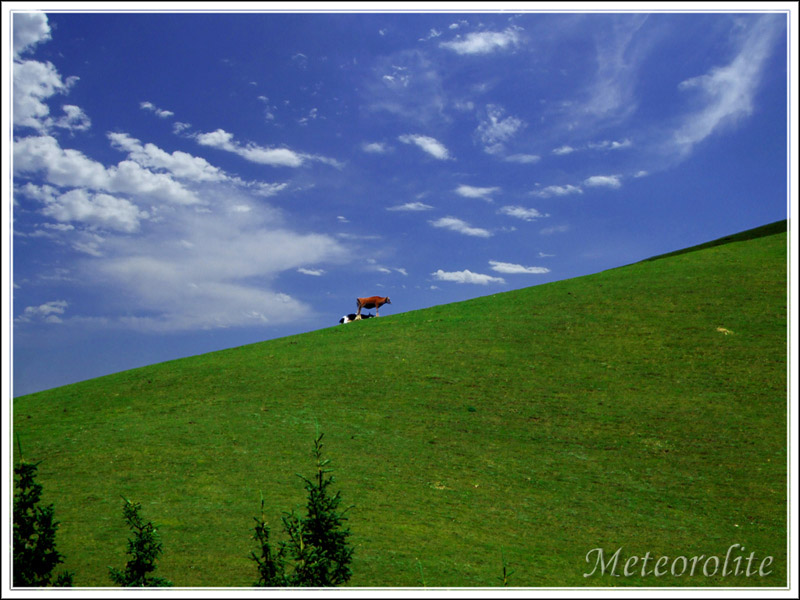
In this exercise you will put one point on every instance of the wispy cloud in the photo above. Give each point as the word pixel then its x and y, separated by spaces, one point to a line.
pixel 484 42
pixel 428 144
pixel 521 212
pixel 554 229
pixel 727 92
pixel 49 312
pixel 523 158
pixel 557 190
pixel 159 112
pixel 411 207
pixel 459 226
pixel 466 276
pixel 496 129
pixel 274 157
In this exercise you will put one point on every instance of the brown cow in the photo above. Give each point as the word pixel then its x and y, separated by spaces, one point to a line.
pixel 372 302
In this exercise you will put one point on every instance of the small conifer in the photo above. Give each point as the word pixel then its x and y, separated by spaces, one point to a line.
pixel 34 550
pixel 317 548
pixel 144 548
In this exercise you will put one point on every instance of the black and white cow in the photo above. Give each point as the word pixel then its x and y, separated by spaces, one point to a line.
pixel 353 317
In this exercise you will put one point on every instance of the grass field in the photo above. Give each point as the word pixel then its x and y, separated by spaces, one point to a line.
pixel 643 407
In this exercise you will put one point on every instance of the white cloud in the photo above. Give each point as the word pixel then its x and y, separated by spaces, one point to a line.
pixel 610 144
pixel 454 224
pixel 203 270
pixel 523 158
pixel 74 119
pixel 521 212
pixel 411 206
pixel 727 92
pixel 466 276
pixel 484 42
pixel 407 84
pixel 610 181
pixel 274 157
pixel 554 229
pixel 71 168
pixel 430 145
pixel 48 312
pixel 101 210
pixel 483 193
pixel 619 53
pixel 30 28
pixel 35 82
pixel 557 190
pixel 180 164
pixel 159 112
pixel 495 130
pixel 375 148
pixel 562 150
pixel 312 272
pixel 513 269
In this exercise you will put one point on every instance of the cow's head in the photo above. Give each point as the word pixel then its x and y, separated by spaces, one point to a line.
pixel 387 300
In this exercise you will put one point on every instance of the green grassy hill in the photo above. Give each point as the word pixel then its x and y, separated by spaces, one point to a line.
pixel 642 407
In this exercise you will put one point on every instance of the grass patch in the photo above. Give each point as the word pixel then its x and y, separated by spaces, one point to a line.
pixel 523 428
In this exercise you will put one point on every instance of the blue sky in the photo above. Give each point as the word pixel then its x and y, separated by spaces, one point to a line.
pixel 188 182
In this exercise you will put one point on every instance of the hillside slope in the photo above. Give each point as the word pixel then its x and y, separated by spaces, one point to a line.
pixel 643 407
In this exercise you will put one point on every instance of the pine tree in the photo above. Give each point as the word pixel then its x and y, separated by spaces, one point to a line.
pixel 317 546
pixel 35 554
pixel 144 548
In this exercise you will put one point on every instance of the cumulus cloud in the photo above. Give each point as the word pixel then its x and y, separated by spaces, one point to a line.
pixel 457 225
pixel 71 168
pixel 610 181
pixel 484 42
pixel 521 212
pixel 180 164
pixel 466 276
pixel 411 207
pixel 100 210
pixel 482 193
pixel 428 144
pixel 513 269
pixel 34 83
pixel 30 28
